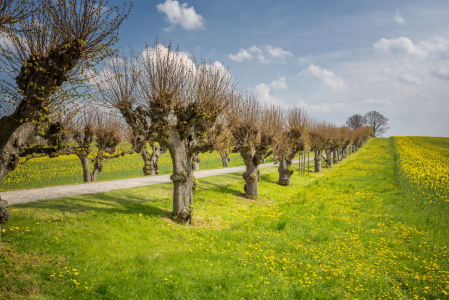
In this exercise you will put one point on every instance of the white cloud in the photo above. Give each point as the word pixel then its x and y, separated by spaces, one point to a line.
pixel 435 45
pixel 241 56
pixel 267 55
pixel 181 15
pixel 400 45
pixel 161 51
pixel 279 84
pixel 327 77
pixel 262 91
pixel 277 52
pixel 398 18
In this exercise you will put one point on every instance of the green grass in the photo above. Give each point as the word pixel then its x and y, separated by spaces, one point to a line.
pixel 63 170
pixel 342 234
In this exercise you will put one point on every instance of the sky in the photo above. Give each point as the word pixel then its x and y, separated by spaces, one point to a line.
pixel 335 58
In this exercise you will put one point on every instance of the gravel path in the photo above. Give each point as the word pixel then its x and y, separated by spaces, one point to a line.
pixel 32 195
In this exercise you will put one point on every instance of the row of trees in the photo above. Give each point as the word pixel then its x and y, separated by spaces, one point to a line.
pixel 158 97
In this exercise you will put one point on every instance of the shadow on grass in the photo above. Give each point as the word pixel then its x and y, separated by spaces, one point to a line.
pixel 104 203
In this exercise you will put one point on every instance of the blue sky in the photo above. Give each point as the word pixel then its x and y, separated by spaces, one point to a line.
pixel 336 58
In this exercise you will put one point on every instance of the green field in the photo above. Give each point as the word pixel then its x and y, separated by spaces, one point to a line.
pixel 348 233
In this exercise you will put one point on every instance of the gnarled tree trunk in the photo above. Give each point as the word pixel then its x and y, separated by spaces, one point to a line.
pixel 13 137
pixel 196 161
pixel 151 166
pixel 147 166
pixel 334 156
pixel 328 158
pixel 285 171
pixel 4 217
pixel 251 175
pixel 317 160
pixel 182 177
pixel 98 166
pixel 225 159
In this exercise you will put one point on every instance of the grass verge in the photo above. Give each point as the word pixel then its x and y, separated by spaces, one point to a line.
pixel 340 234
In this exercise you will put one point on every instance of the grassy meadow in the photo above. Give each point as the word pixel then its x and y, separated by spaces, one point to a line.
pixel 354 231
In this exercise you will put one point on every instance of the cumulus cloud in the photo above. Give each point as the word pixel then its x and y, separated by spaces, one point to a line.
pixel 279 84
pixel 262 91
pixel 398 18
pixel 266 54
pixel 181 15
pixel 277 52
pixel 241 56
pixel 412 63
pixel 400 45
pixel 329 78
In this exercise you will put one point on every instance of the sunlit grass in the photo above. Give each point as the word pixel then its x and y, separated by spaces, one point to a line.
pixel 343 234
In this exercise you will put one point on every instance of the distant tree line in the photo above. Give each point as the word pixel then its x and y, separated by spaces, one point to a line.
pixel 377 121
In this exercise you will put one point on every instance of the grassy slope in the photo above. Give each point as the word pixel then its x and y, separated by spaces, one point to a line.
pixel 342 234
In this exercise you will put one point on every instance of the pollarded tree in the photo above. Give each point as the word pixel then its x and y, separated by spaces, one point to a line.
pixel 361 135
pixel 291 137
pixel 320 133
pixel 55 46
pixel 225 145
pixel 356 121
pixel 118 88
pixel 329 133
pixel 346 140
pixel 98 126
pixel 183 101
pixel 253 133
pixel 378 122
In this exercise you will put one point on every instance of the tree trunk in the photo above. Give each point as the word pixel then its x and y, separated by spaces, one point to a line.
pixel 328 158
pixel 285 171
pixel 225 159
pixel 182 178
pixel 147 167
pixel 196 161
pixel 334 156
pixel 251 175
pixel 86 168
pixel 98 166
pixel 4 217
pixel 12 141
pixel 151 166
pixel 318 160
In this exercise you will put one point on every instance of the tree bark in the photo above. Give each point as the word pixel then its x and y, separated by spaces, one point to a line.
pixel 98 166
pixel 285 171
pixel 196 161
pixel 334 156
pixel 317 160
pixel 147 166
pixel 328 158
pixel 151 166
pixel 225 159
pixel 251 175
pixel 182 178
pixel 12 141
